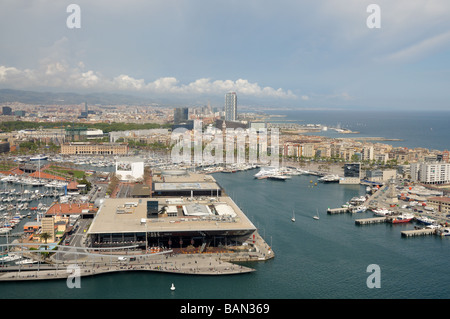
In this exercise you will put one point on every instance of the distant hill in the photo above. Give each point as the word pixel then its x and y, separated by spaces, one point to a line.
pixel 33 97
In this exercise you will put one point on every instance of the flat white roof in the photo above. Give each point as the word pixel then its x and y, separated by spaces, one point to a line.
pixel 225 210
pixel 112 217
pixel 196 210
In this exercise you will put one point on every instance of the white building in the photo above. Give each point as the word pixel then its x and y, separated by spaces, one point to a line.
pixel 367 153
pixel 130 169
pixel 436 173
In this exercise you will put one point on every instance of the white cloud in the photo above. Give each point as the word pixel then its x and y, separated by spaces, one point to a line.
pixel 61 75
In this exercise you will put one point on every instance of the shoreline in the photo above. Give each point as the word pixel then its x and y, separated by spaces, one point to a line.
pixel 182 262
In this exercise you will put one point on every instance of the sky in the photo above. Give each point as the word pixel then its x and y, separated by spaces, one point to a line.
pixel 286 53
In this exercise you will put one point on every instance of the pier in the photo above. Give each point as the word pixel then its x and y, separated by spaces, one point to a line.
pixel 339 210
pixel 418 232
pixel 367 221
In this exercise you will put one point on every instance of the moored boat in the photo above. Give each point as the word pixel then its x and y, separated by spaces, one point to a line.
pixel 38 158
pixel 403 218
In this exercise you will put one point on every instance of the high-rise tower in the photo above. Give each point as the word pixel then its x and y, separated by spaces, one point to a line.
pixel 230 106
pixel 180 115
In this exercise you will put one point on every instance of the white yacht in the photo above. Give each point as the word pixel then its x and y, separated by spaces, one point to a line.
pixel 10 257
pixel 279 177
pixel 38 158
pixel 381 212
pixel 361 209
pixel 332 178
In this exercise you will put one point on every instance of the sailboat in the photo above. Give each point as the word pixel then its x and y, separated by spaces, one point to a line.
pixel 293 216
pixel 317 215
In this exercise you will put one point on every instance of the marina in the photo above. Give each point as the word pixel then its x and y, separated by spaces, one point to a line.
pixel 278 230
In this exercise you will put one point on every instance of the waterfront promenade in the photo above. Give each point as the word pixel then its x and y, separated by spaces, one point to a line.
pixel 202 264
pixel 90 263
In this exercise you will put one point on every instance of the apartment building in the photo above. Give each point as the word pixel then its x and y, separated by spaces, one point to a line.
pixel 431 173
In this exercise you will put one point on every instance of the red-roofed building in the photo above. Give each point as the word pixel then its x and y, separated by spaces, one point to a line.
pixel 71 209
pixel 72 187
pixel 13 171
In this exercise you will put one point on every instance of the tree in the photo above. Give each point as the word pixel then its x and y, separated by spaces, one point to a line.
pixel 45 237
pixel 88 184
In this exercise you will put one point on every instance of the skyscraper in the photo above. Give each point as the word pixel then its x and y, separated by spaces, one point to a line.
pixel 180 115
pixel 230 106
pixel 6 110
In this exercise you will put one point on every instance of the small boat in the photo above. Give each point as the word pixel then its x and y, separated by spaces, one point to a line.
pixel 172 287
pixel 293 217
pixel 444 232
pixel 403 218
pixel 317 215
pixel 361 209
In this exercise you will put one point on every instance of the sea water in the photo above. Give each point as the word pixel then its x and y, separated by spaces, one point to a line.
pixel 314 259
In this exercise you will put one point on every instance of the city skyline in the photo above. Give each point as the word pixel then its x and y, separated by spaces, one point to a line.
pixel 319 54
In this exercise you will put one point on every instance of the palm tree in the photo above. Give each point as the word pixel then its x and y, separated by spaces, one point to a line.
pixel 45 237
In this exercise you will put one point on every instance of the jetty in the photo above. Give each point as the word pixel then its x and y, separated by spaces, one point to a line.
pixel 338 210
pixel 418 232
pixel 367 221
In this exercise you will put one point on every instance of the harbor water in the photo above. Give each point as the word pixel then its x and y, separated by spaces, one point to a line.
pixel 315 259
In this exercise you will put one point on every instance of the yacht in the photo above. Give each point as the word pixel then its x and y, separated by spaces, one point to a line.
pixel 278 177
pixel 5 230
pixel 266 172
pixel 361 209
pixel 38 158
pixel 10 257
pixel 332 178
pixel 26 262
pixel 381 212
pixel 425 220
